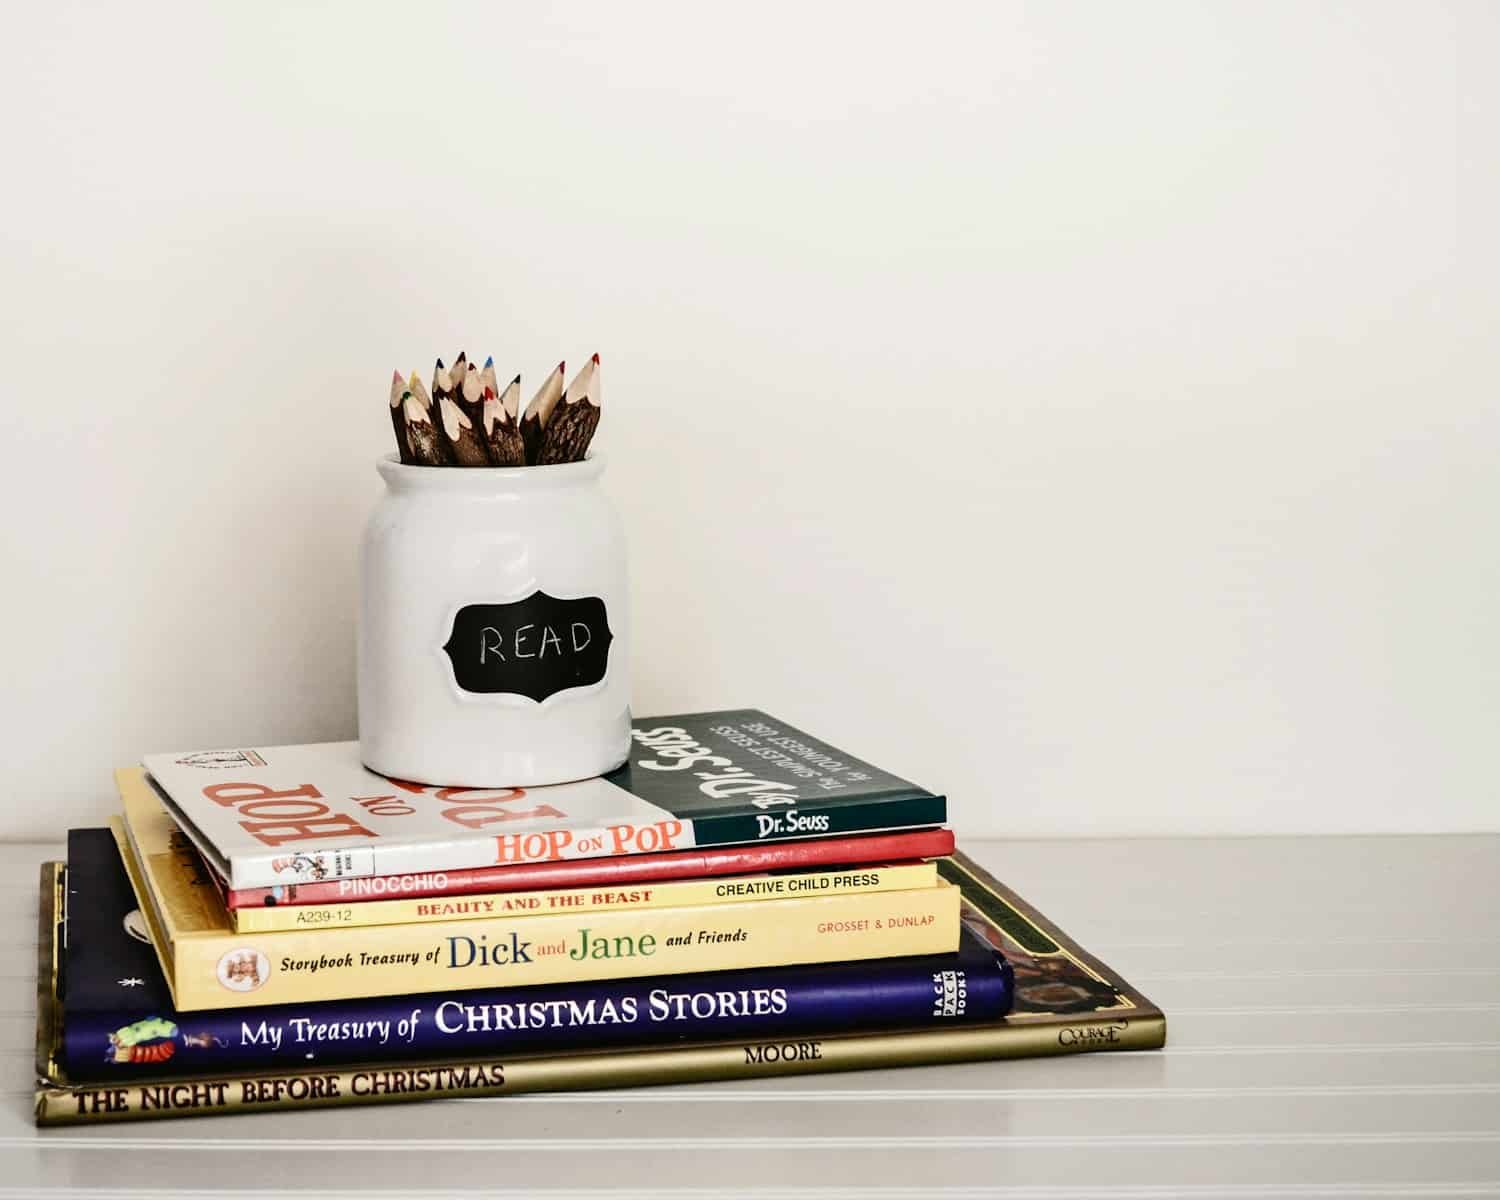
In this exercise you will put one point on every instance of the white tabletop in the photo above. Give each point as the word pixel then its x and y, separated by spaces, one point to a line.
pixel 1333 1030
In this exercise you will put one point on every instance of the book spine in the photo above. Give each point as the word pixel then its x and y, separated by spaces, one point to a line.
pixel 810 819
pixel 633 868
pixel 901 993
pixel 249 970
pixel 522 905
pixel 204 1096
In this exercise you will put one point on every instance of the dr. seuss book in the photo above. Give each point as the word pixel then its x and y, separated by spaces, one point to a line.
pixel 1066 1002
pixel 628 870
pixel 209 965
pixel 298 814
pixel 119 1023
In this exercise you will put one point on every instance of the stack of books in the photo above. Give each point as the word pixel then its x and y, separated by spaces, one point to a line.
pixel 279 928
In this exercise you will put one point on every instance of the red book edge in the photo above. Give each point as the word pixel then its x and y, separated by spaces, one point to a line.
pixel 632 868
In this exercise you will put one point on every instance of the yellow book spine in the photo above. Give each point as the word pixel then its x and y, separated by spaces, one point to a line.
pixel 678 893
pixel 232 970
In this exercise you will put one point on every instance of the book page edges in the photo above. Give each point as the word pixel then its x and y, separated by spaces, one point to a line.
pixel 160 939
pixel 48 948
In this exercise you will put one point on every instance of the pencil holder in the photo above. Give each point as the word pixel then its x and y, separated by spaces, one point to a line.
pixel 494 631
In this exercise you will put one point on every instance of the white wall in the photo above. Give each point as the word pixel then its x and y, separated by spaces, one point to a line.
pixel 1090 410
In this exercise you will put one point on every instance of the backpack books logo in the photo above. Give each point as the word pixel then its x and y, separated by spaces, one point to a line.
pixel 221 760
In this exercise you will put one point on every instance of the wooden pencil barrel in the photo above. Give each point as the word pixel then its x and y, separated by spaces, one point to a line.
pixel 494 627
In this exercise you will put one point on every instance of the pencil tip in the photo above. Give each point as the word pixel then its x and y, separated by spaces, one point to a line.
pixel 397 377
pixel 489 361
pixel 596 360
pixel 439 364
pixel 516 380
pixel 560 367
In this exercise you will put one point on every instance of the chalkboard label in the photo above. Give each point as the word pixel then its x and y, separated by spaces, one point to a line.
pixel 535 647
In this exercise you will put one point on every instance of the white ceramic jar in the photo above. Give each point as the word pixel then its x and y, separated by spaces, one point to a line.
pixel 494 627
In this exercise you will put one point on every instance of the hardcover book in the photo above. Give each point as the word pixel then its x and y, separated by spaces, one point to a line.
pixel 675 893
pixel 209 965
pixel 264 817
pixel 627 870
pixel 1065 1002
pixel 119 1023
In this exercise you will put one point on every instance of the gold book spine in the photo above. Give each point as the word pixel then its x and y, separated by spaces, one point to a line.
pixel 50 910
pixel 680 893
pixel 578 1072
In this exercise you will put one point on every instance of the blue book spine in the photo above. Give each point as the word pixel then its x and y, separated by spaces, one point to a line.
pixel 126 1042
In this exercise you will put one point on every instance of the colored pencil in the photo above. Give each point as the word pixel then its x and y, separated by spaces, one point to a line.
pixel 443 384
pixel 573 420
pixel 534 422
pixel 470 394
pixel 460 436
pixel 501 430
pixel 422 438
pixel 398 421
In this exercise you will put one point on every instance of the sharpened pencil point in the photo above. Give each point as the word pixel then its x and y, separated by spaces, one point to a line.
pixel 596 360
pixel 397 377
pixel 517 381
pixel 439 364
pixel 412 385
pixel 560 367
pixel 490 361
